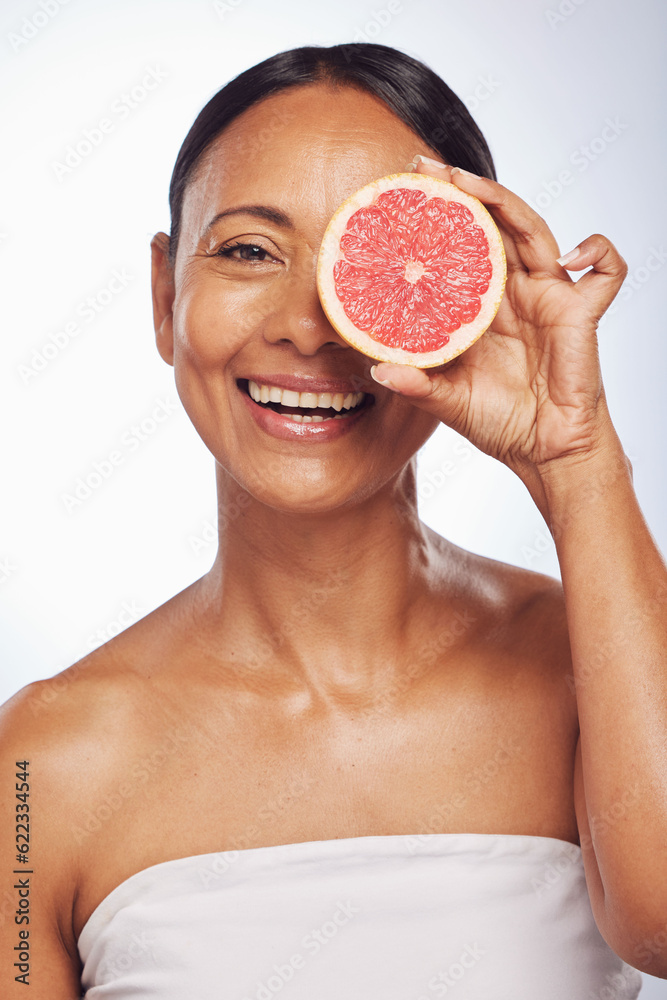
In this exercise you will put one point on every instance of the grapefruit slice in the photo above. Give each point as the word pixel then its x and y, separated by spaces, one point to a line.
pixel 411 270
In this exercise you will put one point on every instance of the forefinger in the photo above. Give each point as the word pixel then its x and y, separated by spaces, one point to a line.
pixel 536 246
pixel 535 243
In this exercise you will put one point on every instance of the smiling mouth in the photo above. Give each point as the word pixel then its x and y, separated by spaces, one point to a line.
pixel 306 407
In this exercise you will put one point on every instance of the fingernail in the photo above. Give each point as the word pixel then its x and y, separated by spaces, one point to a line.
pixel 566 258
pixel 387 384
pixel 468 173
pixel 427 161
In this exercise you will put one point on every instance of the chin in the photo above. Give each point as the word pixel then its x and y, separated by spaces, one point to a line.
pixel 304 497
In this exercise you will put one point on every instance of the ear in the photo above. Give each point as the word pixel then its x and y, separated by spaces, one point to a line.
pixel 162 281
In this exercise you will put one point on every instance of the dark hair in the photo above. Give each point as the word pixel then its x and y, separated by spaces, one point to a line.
pixel 414 92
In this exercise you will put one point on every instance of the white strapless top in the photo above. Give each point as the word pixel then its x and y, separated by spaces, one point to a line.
pixel 470 916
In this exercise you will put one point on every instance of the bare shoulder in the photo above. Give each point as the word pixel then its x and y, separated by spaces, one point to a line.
pixel 61 724
pixel 43 748
pixel 519 611
pixel 60 714
pixel 515 592
pixel 98 707
pixel 530 596
pixel 75 730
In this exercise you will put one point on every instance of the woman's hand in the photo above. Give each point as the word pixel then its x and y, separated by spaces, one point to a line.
pixel 529 391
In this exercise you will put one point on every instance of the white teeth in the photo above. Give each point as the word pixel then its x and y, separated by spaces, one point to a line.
pixel 289 398
pixel 305 418
pixel 306 400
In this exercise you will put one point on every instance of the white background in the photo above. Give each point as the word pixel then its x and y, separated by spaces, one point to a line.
pixel 543 80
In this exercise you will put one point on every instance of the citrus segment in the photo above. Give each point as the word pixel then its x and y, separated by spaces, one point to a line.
pixel 411 270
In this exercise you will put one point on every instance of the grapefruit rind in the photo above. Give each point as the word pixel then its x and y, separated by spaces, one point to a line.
pixel 330 252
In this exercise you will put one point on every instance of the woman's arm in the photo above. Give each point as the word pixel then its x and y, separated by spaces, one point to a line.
pixel 530 393
pixel 37 949
pixel 615 587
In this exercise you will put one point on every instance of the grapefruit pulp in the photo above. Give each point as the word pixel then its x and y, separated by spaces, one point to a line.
pixel 411 270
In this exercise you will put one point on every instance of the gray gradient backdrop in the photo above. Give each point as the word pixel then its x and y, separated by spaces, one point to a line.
pixel 570 94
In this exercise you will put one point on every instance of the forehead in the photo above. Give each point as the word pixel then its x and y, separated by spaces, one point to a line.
pixel 303 150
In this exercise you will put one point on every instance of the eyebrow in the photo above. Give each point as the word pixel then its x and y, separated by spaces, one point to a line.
pixel 264 212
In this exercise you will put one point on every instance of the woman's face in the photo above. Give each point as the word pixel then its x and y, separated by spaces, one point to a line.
pixel 231 315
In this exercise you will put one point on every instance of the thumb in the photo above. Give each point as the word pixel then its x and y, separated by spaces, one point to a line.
pixel 433 392
pixel 601 284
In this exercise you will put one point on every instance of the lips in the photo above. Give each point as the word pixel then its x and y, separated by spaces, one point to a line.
pixel 307 407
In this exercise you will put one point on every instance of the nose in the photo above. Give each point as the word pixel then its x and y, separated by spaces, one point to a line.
pixel 298 318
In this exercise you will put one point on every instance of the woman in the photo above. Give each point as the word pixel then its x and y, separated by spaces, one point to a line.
pixel 353 759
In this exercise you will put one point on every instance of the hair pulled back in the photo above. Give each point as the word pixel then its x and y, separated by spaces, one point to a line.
pixel 417 95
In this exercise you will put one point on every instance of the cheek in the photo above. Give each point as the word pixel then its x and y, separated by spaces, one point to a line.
pixel 213 319
pixel 409 428
pixel 206 337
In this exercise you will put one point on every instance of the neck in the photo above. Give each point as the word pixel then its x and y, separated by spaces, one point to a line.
pixel 335 600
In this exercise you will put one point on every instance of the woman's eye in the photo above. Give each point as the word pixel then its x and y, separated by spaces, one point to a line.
pixel 246 251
